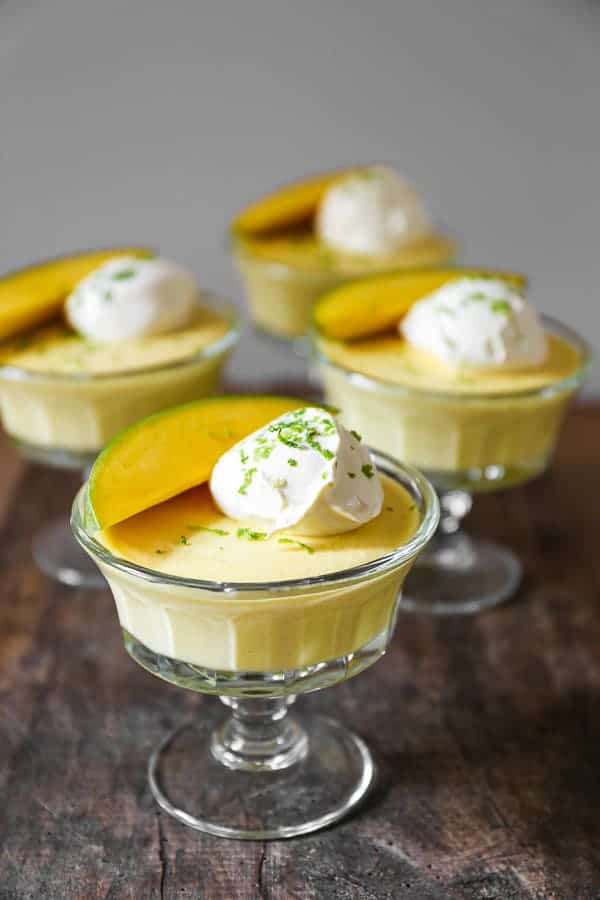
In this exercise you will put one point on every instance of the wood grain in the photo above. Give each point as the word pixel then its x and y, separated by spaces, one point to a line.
pixel 486 731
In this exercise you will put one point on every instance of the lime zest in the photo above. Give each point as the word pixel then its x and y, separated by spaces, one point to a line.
pixel 299 544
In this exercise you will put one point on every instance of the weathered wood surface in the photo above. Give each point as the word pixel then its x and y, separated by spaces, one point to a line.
pixel 486 731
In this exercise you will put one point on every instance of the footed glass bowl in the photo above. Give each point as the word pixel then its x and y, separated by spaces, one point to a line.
pixel 64 420
pixel 262 773
pixel 465 444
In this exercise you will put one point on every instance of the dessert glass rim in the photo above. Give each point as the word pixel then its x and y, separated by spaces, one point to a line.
pixel 215 301
pixel 239 244
pixel 408 476
pixel 373 383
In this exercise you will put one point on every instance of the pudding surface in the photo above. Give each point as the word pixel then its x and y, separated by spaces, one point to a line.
pixel 390 358
pixel 56 350
pixel 303 251
pixel 189 537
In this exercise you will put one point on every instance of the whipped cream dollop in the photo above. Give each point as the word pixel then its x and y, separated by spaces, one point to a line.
pixel 481 323
pixel 303 471
pixel 375 212
pixel 129 298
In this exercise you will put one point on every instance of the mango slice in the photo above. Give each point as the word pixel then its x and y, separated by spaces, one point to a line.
pixel 375 304
pixel 36 293
pixel 287 206
pixel 170 452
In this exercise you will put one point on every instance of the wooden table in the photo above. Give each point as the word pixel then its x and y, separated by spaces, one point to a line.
pixel 486 731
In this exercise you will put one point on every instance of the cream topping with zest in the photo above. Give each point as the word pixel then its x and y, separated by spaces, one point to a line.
pixel 303 472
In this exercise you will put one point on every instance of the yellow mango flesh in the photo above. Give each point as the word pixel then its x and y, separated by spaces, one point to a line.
pixel 286 206
pixel 373 305
pixel 170 452
pixel 35 294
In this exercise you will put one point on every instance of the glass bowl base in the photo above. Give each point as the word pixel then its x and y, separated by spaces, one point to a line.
pixel 328 779
pixel 458 575
pixel 58 555
pixel 306 678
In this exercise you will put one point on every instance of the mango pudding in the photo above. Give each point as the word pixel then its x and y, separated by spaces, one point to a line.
pixel 94 342
pixel 471 388
pixel 451 370
pixel 90 343
pixel 307 237
pixel 255 549
pixel 289 518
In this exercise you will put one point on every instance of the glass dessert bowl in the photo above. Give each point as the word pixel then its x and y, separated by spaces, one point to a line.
pixel 64 396
pixel 468 429
pixel 212 605
pixel 299 241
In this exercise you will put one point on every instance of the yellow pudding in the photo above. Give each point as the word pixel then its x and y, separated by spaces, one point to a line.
pixel 194 584
pixel 85 401
pixel 461 428
pixel 189 537
pixel 249 627
pixel 308 254
pixel 56 350
pixel 286 267
pixel 392 360
pixel 65 393
pixel 464 426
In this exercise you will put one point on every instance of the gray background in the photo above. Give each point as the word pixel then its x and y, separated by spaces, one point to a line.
pixel 147 121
